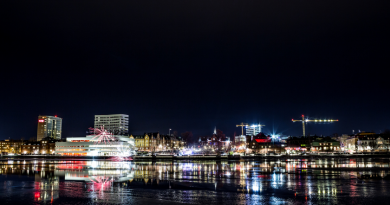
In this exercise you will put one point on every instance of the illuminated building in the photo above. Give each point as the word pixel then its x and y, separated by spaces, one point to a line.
pixel 368 142
pixel 226 144
pixel 253 130
pixel 239 140
pixel 299 143
pixel 45 146
pixel 118 124
pixel 342 139
pixel 91 146
pixel 156 142
pixel 49 126
pixel 214 141
pixel 261 145
pixel 350 144
pixel 10 146
pixel 142 142
pixel 325 145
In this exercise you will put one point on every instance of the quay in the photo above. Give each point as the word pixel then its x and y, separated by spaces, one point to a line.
pixel 194 157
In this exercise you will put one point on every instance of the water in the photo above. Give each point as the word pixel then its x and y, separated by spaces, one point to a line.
pixel 297 181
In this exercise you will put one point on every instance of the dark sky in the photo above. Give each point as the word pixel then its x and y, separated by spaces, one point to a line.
pixel 193 65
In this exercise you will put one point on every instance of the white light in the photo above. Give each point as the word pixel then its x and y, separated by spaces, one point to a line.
pixel 94 164
pixel 255 187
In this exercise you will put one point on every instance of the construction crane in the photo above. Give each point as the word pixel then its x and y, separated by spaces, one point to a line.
pixel 307 120
pixel 242 125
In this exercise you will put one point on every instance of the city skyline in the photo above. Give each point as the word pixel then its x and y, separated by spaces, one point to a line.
pixel 194 102
pixel 271 129
pixel 195 69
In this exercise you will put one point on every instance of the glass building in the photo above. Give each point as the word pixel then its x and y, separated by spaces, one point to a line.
pixel 49 126
pixel 253 130
pixel 117 124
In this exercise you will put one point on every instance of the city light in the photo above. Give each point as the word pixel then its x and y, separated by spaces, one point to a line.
pixel 304 121
pixel 188 152
pixel 102 135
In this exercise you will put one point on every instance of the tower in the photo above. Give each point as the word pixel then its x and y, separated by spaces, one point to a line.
pixel 49 126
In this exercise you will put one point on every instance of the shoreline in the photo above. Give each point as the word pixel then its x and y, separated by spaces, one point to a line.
pixel 173 158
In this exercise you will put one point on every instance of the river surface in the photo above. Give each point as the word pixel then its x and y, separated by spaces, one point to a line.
pixel 294 181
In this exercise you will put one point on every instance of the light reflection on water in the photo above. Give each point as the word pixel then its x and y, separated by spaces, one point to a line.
pixel 230 182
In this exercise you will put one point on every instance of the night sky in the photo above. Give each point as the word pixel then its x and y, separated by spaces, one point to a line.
pixel 193 65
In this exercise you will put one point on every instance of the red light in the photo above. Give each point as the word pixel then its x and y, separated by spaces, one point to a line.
pixel 263 140
pixel 292 119
pixel 41 120
pixel 55 115
pixel 37 195
pixel 302 115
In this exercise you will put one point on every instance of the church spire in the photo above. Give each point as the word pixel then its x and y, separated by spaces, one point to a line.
pixel 215 130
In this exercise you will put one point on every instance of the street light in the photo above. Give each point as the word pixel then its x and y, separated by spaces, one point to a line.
pixel 275 136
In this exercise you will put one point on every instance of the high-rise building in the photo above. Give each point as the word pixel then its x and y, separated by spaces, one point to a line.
pixel 253 130
pixel 49 126
pixel 118 124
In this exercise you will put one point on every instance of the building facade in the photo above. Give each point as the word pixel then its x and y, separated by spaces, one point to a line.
pixel 154 142
pixel 10 146
pixel 260 146
pixel 372 142
pixel 253 130
pixel 43 147
pixel 49 126
pixel 90 146
pixel 141 142
pixel 301 144
pixel 350 144
pixel 325 145
pixel 382 144
pixel 240 141
pixel 118 124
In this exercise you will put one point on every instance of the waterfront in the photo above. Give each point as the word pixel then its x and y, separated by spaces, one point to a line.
pixel 195 182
